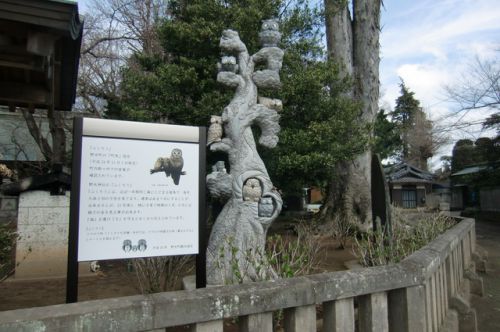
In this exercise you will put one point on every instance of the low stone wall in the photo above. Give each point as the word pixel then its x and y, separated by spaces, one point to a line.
pixel 42 247
pixel 422 293
pixel 8 208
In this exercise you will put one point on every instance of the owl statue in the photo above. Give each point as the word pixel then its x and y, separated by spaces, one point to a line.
pixel 228 63
pixel 176 162
pixel 269 35
pixel 215 130
pixel 274 104
pixel 221 166
pixel 266 207
pixel 252 190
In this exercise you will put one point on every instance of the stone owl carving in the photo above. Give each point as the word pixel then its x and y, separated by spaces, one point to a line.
pixel 176 163
pixel 215 130
pixel 269 35
pixel 221 166
pixel 252 190
pixel 228 63
pixel 275 104
pixel 266 207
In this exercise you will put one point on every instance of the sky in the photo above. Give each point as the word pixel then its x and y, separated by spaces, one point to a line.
pixel 430 44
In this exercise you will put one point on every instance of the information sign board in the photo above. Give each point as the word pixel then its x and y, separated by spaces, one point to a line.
pixel 134 202
pixel 138 190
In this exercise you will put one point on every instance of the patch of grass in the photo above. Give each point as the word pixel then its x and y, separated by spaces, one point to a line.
pixel 380 248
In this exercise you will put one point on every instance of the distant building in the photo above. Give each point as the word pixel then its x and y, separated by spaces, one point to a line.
pixel 409 186
pixel 477 186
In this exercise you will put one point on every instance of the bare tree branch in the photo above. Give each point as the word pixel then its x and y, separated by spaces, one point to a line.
pixel 114 31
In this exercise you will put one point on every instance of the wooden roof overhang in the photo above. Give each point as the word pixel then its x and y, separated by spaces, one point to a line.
pixel 39 53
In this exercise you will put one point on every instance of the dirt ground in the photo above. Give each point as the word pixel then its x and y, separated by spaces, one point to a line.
pixel 115 280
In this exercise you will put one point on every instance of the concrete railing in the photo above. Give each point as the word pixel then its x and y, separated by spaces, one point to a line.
pixel 418 294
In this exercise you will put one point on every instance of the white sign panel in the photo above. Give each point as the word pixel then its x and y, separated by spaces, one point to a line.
pixel 138 198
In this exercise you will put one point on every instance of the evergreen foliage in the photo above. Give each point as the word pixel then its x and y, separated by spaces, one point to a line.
pixel 387 136
pixel 468 153
pixel 485 153
pixel 407 107
pixel 319 125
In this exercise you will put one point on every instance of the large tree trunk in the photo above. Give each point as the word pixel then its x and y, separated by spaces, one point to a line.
pixel 354 44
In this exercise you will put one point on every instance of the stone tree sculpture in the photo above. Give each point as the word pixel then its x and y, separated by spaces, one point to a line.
pixel 237 241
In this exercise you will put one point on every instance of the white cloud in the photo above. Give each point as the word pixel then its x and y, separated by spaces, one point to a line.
pixel 429 44
pixel 431 29
pixel 425 80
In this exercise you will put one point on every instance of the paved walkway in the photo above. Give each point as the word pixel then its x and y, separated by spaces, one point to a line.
pixel 488 307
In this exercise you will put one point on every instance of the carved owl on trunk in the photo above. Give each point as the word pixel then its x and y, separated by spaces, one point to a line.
pixel 266 207
pixel 228 63
pixel 215 130
pixel 269 35
pixel 252 190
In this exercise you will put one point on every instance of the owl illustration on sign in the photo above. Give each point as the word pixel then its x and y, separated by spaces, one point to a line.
pixel 252 190
pixel 215 130
pixel 171 166
pixel 161 164
pixel 176 164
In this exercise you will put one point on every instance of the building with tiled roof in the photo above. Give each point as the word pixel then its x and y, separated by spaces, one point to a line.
pixel 409 186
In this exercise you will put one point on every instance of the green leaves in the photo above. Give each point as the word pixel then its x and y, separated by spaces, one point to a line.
pixel 320 125
pixel 387 141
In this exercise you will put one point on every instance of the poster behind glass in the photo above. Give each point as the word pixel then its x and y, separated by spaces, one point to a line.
pixel 138 198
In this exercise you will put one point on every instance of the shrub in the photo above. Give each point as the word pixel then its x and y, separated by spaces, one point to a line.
pixel 380 248
pixel 293 256
pixel 160 274
pixel 284 256
pixel 341 230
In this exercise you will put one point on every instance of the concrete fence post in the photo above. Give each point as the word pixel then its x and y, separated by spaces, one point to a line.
pixel 211 326
pixel 262 322
pixel 300 319
pixel 373 313
pixel 407 309
pixel 338 316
